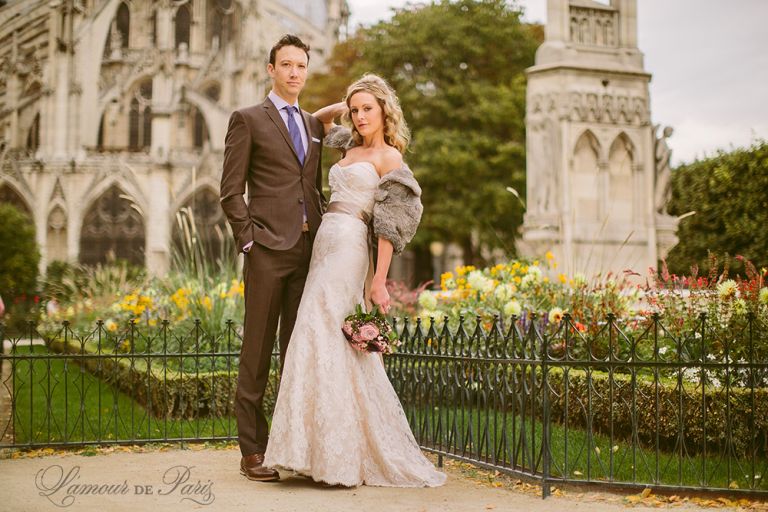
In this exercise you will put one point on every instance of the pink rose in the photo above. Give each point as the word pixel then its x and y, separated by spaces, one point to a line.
pixel 369 331
pixel 347 328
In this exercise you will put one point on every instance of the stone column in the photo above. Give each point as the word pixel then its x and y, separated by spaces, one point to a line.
pixel 627 22
pixel 558 25
pixel 158 240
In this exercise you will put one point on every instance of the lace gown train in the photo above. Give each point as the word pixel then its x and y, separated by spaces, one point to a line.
pixel 337 417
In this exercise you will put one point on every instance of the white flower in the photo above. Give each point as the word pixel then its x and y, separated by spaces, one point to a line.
pixel 528 280
pixel 478 281
pixel 503 293
pixel 728 289
pixel 579 279
pixel 450 283
pixel 739 306
pixel 764 295
pixel 512 308
pixel 427 300
pixel 555 315
pixel 426 315
pixel 535 271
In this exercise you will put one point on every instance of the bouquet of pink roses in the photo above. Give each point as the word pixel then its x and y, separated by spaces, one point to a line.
pixel 369 332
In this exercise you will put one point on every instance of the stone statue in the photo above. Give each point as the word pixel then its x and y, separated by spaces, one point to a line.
pixel 663 174
pixel 543 154
pixel 115 43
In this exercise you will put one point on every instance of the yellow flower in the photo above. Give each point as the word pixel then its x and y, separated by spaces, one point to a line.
pixel 207 303
pixel 223 295
pixel 152 322
pixel 110 325
pixel 517 279
pixel 562 277
pixel 549 256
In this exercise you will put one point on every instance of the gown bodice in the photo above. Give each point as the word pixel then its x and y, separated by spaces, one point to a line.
pixel 355 183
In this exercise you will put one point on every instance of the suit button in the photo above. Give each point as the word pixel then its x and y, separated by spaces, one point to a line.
pixel 301 201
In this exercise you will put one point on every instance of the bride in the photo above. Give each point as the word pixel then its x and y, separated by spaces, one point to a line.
pixel 337 418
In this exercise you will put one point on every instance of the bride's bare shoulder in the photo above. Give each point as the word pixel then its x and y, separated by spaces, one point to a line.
pixel 389 160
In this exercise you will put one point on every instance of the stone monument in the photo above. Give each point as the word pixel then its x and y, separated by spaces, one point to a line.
pixel 597 172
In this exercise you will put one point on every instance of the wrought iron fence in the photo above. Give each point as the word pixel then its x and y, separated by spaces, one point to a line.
pixel 618 404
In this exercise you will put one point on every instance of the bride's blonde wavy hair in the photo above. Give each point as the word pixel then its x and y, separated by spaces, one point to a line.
pixel 396 132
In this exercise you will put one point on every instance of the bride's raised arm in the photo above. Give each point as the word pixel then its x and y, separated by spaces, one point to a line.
pixel 327 114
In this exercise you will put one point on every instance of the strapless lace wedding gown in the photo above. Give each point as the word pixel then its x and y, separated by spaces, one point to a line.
pixel 337 418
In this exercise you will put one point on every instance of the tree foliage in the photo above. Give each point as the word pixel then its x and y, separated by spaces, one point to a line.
pixel 458 70
pixel 729 193
pixel 19 254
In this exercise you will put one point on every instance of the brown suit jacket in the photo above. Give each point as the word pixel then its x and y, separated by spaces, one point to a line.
pixel 258 151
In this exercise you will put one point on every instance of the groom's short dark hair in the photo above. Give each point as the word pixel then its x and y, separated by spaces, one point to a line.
pixel 288 40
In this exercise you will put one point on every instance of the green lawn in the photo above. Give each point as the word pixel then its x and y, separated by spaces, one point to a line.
pixel 506 440
pixel 58 401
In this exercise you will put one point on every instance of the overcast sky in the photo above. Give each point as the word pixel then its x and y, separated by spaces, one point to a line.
pixel 708 58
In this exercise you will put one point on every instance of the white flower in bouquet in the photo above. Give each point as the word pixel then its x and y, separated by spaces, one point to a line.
pixel 763 295
pixel 728 289
pixel 478 281
pixel 427 300
pixel 450 283
pixel 512 308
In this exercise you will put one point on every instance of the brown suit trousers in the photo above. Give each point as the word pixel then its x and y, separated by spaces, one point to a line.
pixel 259 154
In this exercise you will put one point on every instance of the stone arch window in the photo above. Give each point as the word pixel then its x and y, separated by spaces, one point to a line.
pixel 153 21
pixel 221 22
pixel 123 23
pixel 203 211
pixel 199 129
pixel 584 180
pixel 9 195
pixel 100 137
pixel 620 179
pixel 140 118
pixel 56 239
pixel 113 228
pixel 212 91
pixel 33 136
pixel 183 22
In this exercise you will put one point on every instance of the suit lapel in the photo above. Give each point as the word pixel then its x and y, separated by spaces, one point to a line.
pixel 276 118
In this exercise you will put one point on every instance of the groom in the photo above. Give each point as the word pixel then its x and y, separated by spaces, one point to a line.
pixel 275 148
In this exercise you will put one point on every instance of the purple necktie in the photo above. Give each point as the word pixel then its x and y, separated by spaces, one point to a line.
pixel 293 131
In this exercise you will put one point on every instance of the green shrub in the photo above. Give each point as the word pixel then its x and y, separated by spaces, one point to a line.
pixel 19 258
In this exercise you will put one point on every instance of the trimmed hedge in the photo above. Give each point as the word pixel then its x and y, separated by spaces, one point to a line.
pixel 166 393
pixel 699 418
pixel 481 385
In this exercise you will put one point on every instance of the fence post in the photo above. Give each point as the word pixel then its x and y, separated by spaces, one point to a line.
pixel 545 451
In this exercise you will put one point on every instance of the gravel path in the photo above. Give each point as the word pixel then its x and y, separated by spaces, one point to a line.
pixel 208 479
